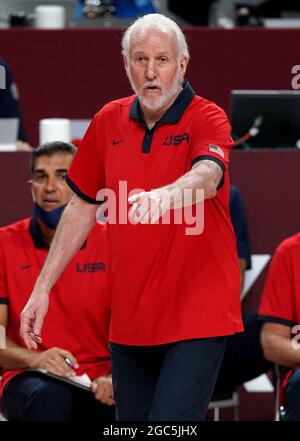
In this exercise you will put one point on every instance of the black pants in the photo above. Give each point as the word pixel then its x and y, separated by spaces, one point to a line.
pixel 170 382
pixel 243 359
pixel 34 397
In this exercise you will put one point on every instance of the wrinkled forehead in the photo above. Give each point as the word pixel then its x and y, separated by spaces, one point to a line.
pixel 153 38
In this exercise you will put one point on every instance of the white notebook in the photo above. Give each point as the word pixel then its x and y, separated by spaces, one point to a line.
pixel 82 381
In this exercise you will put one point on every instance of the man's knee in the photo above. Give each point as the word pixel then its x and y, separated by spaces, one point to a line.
pixel 33 398
pixel 49 401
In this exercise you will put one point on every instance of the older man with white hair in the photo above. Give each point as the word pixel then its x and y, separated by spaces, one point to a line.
pixel 175 289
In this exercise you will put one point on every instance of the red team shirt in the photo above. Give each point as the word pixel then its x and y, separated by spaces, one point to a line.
pixel 166 286
pixel 281 296
pixel 79 311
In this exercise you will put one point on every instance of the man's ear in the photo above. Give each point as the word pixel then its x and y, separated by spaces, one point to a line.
pixel 30 182
pixel 183 65
pixel 126 64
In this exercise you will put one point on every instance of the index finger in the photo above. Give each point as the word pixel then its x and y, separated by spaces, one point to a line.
pixel 25 331
pixel 134 209
pixel 134 198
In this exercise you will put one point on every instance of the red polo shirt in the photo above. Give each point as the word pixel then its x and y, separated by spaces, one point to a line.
pixel 281 296
pixel 280 301
pixel 166 286
pixel 79 310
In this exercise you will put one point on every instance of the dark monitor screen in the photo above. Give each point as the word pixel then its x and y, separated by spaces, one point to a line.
pixel 280 112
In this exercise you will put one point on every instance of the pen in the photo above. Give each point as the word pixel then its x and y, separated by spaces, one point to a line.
pixel 69 362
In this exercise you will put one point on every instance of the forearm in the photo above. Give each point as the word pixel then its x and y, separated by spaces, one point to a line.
pixel 193 187
pixel 14 356
pixel 205 175
pixel 76 222
pixel 279 349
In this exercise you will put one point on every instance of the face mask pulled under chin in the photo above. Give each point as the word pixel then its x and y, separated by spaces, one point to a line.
pixel 50 218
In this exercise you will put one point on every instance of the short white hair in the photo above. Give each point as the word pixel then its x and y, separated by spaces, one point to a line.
pixel 155 21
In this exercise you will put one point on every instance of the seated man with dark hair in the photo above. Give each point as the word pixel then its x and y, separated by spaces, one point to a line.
pixel 75 336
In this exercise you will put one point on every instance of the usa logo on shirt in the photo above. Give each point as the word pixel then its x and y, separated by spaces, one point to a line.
pixel 90 267
pixel 215 149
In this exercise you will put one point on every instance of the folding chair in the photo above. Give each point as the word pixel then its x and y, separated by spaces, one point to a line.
pixel 223 402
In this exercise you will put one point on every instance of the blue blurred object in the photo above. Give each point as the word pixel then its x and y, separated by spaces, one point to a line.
pixel 79 9
pixel 133 8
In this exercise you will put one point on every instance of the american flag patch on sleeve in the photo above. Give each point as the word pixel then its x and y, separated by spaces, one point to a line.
pixel 215 149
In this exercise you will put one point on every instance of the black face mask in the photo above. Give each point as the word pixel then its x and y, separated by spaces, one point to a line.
pixel 50 218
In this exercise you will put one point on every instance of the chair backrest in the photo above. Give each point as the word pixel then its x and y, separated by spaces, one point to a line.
pixel 231 401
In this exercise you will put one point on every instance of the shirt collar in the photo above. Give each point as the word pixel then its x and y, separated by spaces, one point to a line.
pixel 174 113
pixel 38 238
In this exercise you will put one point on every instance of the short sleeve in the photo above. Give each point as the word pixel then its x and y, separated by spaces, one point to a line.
pixel 277 303
pixel 86 175
pixel 3 280
pixel 211 137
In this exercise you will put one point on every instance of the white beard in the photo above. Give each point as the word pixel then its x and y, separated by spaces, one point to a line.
pixel 156 102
